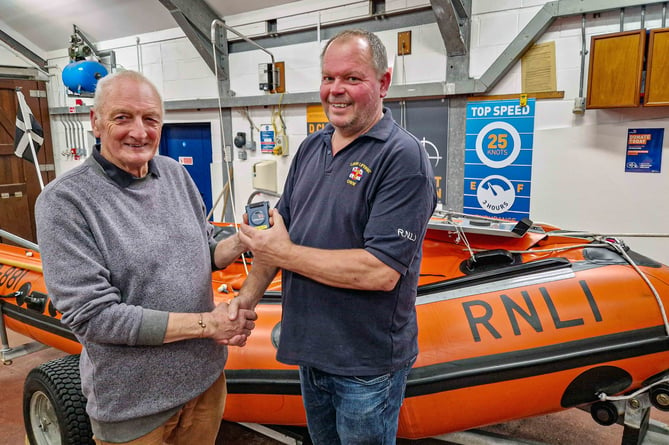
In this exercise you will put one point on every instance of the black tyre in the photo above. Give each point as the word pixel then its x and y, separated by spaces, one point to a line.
pixel 604 413
pixel 659 397
pixel 54 408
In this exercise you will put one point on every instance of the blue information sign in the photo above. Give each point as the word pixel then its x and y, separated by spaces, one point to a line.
pixel 644 150
pixel 267 141
pixel 498 158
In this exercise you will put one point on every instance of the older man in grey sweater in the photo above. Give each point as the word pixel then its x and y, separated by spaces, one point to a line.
pixel 127 255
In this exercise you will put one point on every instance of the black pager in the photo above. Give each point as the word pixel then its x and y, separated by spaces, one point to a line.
pixel 258 213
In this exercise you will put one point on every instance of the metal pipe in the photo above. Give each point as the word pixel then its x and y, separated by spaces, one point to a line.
pixel 67 135
pixel 229 28
pixel 664 14
pixel 643 16
pixel 622 19
pixel 138 49
pixel 263 192
pixel 69 138
pixel 71 129
pixel 81 136
pixel 75 131
pixel 3 337
pixel 583 54
pixel 18 240
pixel 79 126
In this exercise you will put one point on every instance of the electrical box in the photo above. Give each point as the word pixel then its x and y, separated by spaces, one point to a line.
pixel 271 77
pixel 264 176
pixel 266 76
pixel 281 145
pixel 279 77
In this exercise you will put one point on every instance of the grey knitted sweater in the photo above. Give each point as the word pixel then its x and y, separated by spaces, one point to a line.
pixel 116 260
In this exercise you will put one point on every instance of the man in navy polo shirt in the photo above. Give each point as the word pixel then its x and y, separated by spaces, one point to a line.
pixel 347 234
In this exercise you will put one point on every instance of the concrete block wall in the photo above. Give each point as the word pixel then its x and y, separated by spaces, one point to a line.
pixel 578 175
pixel 578 178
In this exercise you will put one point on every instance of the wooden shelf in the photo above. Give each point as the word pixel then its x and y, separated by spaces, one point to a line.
pixel 541 95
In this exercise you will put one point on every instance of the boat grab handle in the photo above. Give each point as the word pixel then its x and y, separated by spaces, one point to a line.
pixel 488 258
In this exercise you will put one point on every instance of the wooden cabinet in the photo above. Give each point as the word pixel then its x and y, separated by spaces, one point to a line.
pixel 616 68
pixel 627 72
pixel 657 69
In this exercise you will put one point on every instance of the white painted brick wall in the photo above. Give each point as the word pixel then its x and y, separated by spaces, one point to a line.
pixel 578 171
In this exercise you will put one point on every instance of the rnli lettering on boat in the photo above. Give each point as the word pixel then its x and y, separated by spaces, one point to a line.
pixel 406 234
pixel 482 317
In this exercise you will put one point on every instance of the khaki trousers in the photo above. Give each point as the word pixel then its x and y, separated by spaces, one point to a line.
pixel 196 423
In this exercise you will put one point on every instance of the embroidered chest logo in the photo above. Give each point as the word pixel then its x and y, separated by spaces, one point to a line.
pixel 358 171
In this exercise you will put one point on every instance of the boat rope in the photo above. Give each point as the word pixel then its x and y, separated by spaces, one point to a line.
pixel 605 241
pixel 604 397
pixel 616 235
pixel 461 236
pixel 608 240
pixel 620 248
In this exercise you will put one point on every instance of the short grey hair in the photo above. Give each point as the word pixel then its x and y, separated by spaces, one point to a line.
pixel 378 49
pixel 105 83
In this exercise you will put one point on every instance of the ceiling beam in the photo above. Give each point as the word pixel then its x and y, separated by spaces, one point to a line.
pixel 450 15
pixel 21 49
pixel 194 17
pixel 457 83
pixel 542 20
pixel 534 29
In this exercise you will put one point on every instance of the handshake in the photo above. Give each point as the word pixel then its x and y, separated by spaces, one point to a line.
pixel 232 323
pixel 224 329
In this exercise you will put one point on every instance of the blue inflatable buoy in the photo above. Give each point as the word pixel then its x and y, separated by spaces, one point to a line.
pixel 83 76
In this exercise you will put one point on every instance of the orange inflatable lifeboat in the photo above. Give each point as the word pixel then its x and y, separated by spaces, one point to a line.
pixel 515 320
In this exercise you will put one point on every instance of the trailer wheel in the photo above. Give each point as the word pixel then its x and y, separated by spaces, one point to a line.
pixel 54 408
pixel 604 413
pixel 659 397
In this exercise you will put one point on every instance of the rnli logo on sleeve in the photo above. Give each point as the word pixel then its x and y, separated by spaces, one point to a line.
pixel 358 171
pixel 402 233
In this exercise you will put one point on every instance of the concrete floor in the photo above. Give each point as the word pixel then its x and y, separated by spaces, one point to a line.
pixel 572 427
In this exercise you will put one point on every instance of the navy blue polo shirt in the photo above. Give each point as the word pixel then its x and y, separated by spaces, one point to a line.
pixel 377 194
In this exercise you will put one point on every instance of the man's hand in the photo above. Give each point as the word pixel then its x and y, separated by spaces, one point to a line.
pixel 268 245
pixel 232 331
pixel 238 305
